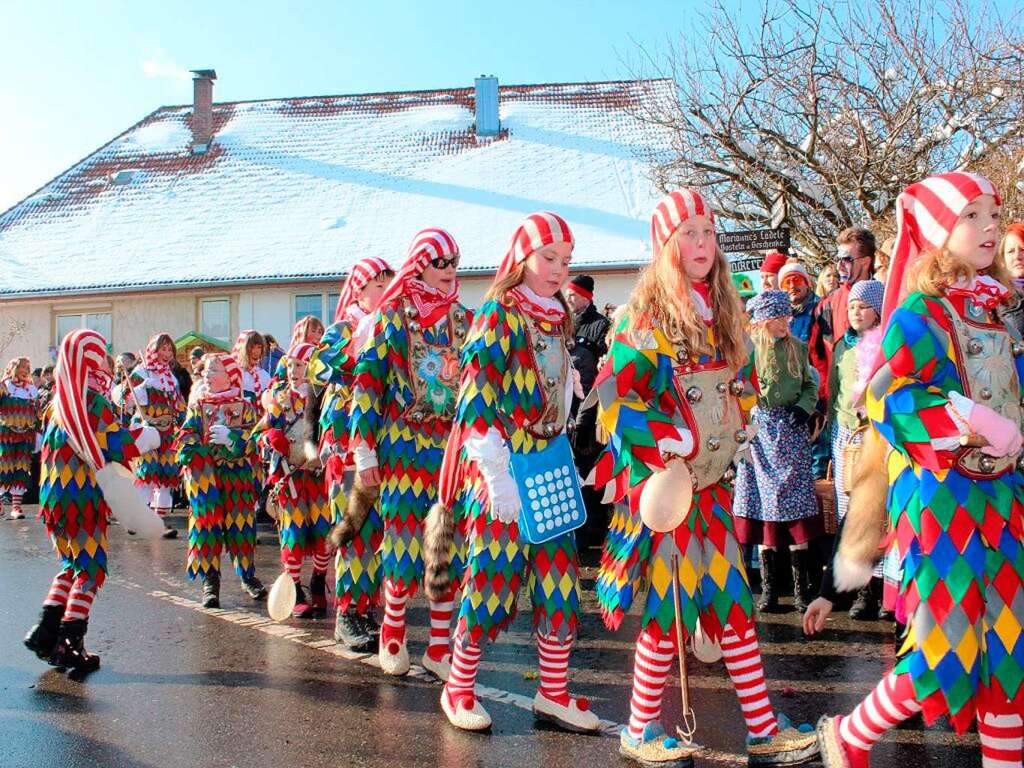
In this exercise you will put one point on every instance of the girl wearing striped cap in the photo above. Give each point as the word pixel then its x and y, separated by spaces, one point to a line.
pixel 217 460
pixel 19 422
pixel 514 398
pixel 403 400
pixel 945 407
pixel 669 392
pixel 83 439
pixel 356 564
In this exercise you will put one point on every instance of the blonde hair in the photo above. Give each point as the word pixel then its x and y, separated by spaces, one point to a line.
pixel 764 354
pixel 820 288
pixel 499 291
pixel 661 299
pixel 935 270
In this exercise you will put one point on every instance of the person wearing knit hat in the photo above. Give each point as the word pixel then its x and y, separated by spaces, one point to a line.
pixel 773 262
pixel 298 496
pixel 218 468
pixel 943 397
pixel 794 280
pixel 19 423
pixel 403 402
pixel 330 372
pixel 516 388
pixel 774 495
pixel 83 440
pixel 669 398
pixel 156 394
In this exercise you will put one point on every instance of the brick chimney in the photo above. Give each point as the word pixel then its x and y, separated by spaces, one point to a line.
pixel 486 92
pixel 202 108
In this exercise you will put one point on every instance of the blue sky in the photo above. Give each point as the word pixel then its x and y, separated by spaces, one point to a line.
pixel 78 73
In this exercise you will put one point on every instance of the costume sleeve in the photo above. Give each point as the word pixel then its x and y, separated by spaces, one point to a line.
pixel 483 391
pixel 116 442
pixel 137 386
pixel 189 437
pixel 331 357
pixel 908 396
pixel 385 347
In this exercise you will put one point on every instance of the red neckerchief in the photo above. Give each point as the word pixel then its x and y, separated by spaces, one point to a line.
pixel 545 310
pixel 431 305
pixel 229 395
pixel 700 288
pixel 985 291
pixel 161 370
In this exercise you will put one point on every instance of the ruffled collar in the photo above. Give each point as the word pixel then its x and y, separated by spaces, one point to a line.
pixel 548 310
pixel 983 290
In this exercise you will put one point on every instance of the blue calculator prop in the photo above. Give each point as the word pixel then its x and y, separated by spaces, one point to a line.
pixel 549 489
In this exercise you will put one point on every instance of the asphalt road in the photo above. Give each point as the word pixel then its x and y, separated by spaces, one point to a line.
pixel 181 686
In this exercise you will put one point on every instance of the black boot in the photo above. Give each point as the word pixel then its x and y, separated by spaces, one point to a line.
pixel 254 588
pixel 42 638
pixel 70 653
pixel 769 601
pixel 865 606
pixel 350 631
pixel 798 561
pixel 318 595
pixel 211 590
pixel 303 608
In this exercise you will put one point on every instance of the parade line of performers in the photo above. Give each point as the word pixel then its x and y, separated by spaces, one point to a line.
pixel 424 447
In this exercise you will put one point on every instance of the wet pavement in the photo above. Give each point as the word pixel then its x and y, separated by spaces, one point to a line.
pixel 181 686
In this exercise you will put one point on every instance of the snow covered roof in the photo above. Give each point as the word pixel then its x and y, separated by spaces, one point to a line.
pixel 301 188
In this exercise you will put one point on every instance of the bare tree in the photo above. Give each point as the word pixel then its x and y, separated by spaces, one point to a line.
pixel 826 111
pixel 13 330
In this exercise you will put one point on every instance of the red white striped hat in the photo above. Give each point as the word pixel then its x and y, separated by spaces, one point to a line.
pixel 81 353
pixel 535 231
pixel 301 351
pixel 363 272
pixel 429 244
pixel 675 208
pixel 926 213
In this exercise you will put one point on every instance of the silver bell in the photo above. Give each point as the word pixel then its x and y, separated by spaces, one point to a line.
pixel 694 394
pixel 736 387
pixel 415 327
pixel 1017 347
pixel 540 346
pixel 986 393
pixel 722 387
pixel 550 430
pixel 550 381
pixel 975 347
pixel 987 464
pixel 459 316
pixel 740 436
pixel 419 347
pixel 714 444
pixel 681 355
pixel 730 475
pixel 411 312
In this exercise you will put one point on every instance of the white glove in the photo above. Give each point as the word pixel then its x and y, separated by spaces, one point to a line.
pixel 220 434
pixel 505 502
pixel 364 457
pixel 139 394
pixel 493 459
pixel 680 448
pixel 148 439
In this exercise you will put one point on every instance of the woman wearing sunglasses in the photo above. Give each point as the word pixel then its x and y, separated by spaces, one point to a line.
pixel 403 402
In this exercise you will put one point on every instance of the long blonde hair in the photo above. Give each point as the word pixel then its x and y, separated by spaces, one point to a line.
pixel 821 289
pixel 661 299
pixel 935 270
pixel 500 288
pixel 764 354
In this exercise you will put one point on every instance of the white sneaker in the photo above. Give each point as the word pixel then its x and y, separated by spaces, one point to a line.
pixel 394 663
pixel 438 669
pixel 475 719
pixel 17 514
pixel 575 717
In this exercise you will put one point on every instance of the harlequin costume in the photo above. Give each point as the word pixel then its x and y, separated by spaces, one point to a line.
pixel 82 440
pixel 949 369
pixel 657 399
pixel 357 562
pixel 158 403
pixel 298 495
pixel 19 423
pixel 403 401
pixel 217 459
pixel 514 397
pixel 255 380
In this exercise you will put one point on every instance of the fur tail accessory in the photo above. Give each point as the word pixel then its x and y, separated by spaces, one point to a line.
pixel 864 526
pixel 438 539
pixel 360 501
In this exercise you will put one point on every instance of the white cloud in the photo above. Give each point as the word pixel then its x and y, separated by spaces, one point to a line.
pixel 159 65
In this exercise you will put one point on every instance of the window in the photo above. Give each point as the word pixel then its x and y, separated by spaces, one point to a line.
pixel 332 302
pixel 95 321
pixel 309 304
pixel 215 318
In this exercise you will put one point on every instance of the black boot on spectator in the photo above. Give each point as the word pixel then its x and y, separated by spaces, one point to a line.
pixel 801 596
pixel 865 606
pixel 769 601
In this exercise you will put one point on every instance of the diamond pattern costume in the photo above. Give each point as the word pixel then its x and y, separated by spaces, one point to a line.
pixel 19 422
pixel 164 409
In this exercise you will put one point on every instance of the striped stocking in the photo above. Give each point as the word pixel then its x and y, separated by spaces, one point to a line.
pixel 80 600
pixel 439 643
pixel 16 498
pixel 59 590
pixel 292 565
pixel 887 706
pixel 651 665
pixel 393 628
pixel 1002 740
pixel 320 558
pixel 742 659
pixel 554 667
pixel 465 663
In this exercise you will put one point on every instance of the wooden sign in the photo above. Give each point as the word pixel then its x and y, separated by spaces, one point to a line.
pixel 754 240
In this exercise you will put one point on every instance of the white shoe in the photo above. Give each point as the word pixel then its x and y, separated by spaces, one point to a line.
pixel 575 717
pixel 394 663
pixel 475 719
pixel 17 515
pixel 438 669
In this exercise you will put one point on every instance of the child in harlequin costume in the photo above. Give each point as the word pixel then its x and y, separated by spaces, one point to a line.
pixel 945 404
pixel 217 460
pixel 297 490
pixel 82 440
pixel 403 401
pixel 158 403
pixel 669 391
pixel 774 500
pixel 19 422
pixel 515 393
pixel 357 563
pixel 308 330
pixel 248 351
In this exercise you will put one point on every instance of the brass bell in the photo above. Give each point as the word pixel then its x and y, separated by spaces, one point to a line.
pixel 415 327
pixel 736 387
pixel 1017 347
pixel 714 444
pixel 987 464
pixel 540 346
pixel 550 381
pixel 730 475
pixel 740 436
pixel 459 316
pixel 694 394
pixel 986 393
pixel 722 387
pixel 975 347
pixel 411 312
pixel 550 429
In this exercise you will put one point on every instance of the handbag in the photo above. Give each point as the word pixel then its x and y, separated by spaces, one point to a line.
pixel 549 492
